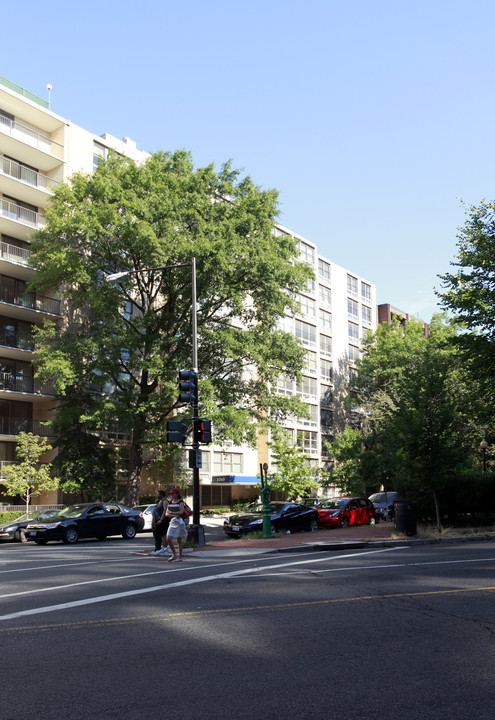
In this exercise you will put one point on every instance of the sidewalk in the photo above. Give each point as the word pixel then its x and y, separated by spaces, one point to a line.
pixel 359 536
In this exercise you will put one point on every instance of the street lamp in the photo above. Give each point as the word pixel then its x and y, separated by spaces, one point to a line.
pixel 116 277
pixel 483 446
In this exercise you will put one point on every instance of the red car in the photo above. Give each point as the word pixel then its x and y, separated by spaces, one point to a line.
pixel 342 512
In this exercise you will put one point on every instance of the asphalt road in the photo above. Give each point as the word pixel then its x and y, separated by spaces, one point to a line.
pixel 96 631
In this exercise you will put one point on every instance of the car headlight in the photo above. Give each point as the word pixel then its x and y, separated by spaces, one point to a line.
pixel 51 526
pixel 256 522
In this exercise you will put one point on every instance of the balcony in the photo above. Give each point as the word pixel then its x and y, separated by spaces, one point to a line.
pixel 14 255
pixel 19 341
pixel 20 181
pixel 19 221
pixel 25 385
pixel 24 303
pixel 30 146
pixel 13 426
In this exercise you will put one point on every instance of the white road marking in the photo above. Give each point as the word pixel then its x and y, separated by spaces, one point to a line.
pixel 169 586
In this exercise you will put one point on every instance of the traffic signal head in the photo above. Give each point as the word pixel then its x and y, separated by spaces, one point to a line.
pixel 202 431
pixel 176 431
pixel 188 387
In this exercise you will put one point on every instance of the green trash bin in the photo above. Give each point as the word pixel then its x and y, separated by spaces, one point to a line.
pixel 405 517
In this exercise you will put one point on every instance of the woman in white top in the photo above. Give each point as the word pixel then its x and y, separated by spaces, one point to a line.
pixel 177 528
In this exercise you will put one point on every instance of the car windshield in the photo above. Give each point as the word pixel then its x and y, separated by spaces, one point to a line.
pixel 380 497
pixel 258 507
pixel 72 511
pixel 26 516
pixel 334 504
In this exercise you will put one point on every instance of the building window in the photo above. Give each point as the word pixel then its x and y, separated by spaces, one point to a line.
pixel 306 333
pixel 326 396
pixel 310 286
pixel 326 370
pixel 323 270
pixel 99 154
pixel 307 306
pixel 306 253
pixel 311 362
pixel 326 419
pixel 366 292
pixel 216 495
pixel 325 319
pixel 353 331
pixel 352 285
pixel 312 421
pixel 307 441
pixel 325 295
pixel 227 463
pixel 325 346
pixel 284 385
pixel 366 314
pixel 307 388
pixel 353 353
pixel 352 309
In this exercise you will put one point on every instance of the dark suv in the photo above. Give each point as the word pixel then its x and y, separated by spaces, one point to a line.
pixel 384 504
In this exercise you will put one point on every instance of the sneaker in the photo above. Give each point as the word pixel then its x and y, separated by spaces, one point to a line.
pixel 163 551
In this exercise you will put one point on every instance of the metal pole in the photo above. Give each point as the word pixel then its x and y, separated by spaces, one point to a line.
pixel 199 530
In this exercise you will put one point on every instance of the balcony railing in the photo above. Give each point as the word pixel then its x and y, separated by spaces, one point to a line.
pixel 33 386
pixel 21 214
pixel 9 338
pixel 25 174
pixel 36 139
pixel 31 301
pixel 14 254
pixel 13 426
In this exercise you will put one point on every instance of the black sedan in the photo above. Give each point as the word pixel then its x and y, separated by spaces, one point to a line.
pixel 12 530
pixel 87 520
pixel 284 517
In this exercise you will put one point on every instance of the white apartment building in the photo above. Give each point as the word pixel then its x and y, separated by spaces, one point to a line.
pixel 336 311
pixel 39 149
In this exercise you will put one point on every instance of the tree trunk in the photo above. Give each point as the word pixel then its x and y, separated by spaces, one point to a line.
pixel 135 468
pixel 437 511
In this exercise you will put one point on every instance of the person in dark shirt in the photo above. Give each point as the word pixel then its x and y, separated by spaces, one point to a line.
pixel 160 523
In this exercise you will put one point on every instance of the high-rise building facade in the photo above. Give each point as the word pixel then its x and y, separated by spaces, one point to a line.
pixel 38 150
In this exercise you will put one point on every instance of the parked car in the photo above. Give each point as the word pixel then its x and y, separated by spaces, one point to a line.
pixel 86 520
pixel 147 511
pixel 342 512
pixel 381 502
pixel 12 530
pixel 284 517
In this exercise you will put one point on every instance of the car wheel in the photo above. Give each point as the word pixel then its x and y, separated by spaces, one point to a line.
pixel 71 535
pixel 313 526
pixel 41 542
pixel 17 536
pixel 345 522
pixel 129 532
pixel 273 529
pixel 372 520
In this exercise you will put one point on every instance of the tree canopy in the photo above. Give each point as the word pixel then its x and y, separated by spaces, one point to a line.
pixel 126 342
pixel 28 476
pixel 468 293
pixel 424 417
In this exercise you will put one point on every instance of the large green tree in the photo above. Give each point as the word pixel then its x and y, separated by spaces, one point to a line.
pixel 127 341
pixel 424 414
pixel 28 476
pixel 468 293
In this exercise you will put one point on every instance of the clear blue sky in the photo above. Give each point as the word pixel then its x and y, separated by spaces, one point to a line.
pixel 370 117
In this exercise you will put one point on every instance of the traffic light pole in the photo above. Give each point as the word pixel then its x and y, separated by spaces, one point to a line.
pixel 199 533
